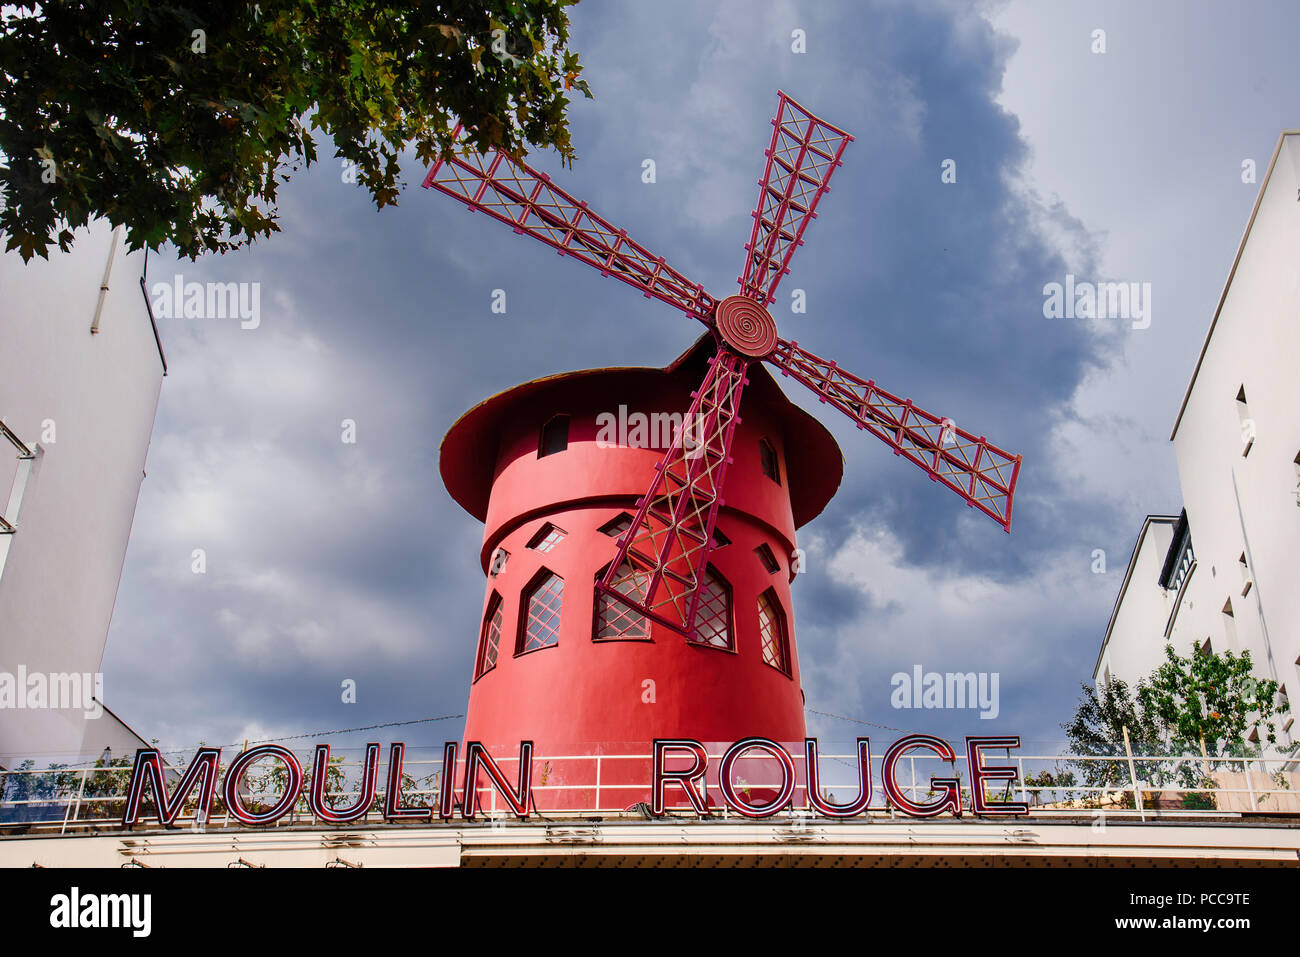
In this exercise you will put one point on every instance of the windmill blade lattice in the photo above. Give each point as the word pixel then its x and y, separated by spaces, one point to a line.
pixel 805 151
pixel 663 557
pixel 528 202
pixel 980 472
pixel 661 563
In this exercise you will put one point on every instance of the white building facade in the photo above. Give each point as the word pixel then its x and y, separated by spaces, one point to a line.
pixel 1227 571
pixel 81 369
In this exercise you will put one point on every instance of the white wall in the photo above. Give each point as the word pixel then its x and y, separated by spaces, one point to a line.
pixel 1134 643
pixel 1236 504
pixel 1247 504
pixel 59 582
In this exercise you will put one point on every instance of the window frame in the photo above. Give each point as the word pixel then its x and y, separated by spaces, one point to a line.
pixel 604 527
pixel 730 592
pixel 782 621
pixel 541 434
pixel 534 585
pixel 596 615
pixel 539 537
pixel 496 604
pixel 766 445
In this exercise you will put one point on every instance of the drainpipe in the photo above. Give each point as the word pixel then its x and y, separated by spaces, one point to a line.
pixel 103 285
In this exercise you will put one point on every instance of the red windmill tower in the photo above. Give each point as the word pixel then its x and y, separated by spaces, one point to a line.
pixel 671 584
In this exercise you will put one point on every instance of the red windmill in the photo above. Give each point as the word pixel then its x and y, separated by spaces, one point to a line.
pixel 663 556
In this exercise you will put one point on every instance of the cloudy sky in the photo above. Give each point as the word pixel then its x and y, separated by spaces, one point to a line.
pixel 328 561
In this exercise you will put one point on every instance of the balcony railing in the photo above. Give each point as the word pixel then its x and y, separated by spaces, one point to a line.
pixel 66 799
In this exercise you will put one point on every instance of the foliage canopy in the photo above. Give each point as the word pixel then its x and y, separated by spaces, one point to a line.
pixel 180 120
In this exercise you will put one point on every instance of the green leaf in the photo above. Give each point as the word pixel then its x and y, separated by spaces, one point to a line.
pixel 190 151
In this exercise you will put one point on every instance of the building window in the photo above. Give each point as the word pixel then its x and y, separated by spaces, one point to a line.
pixel 767 559
pixel 490 640
pixel 546 538
pixel 713 613
pixel 768 459
pixel 614 619
pixel 1180 557
pixel 693 525
pixel 1229 624
pixel 617 525
pixel 1247 423
pixel 772 633
pixel 540 627
pixel 497 563
pixel 555 436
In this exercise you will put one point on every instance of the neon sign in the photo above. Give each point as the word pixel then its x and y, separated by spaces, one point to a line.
pixel 202 773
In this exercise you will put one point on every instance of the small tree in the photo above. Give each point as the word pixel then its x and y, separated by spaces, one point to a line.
pixel 1214 700
pixel 1097 728
pixel 1206 697
pixel 109 780
pixel 1059 782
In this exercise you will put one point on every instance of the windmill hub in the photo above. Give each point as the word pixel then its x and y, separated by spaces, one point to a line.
pixel 746 326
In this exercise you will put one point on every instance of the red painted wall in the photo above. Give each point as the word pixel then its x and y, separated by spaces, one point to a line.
pixel 583 696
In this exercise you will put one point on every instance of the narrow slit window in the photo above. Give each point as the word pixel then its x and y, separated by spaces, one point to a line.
pixel 772 632
pixel 490 640
pixel 554 437
pixel 1246 421
pixel 1229 624
pixel 767 559
pixel 768 460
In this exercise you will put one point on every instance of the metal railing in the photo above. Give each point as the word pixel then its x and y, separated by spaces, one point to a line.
pixel 25 456
pixel 68 798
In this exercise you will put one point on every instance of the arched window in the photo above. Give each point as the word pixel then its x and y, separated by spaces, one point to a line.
pixel 554 437
pixel 771 632
pixel 539 626
pixel 615 619
pixel 489 643
pixel 713 613
pixel 767 458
